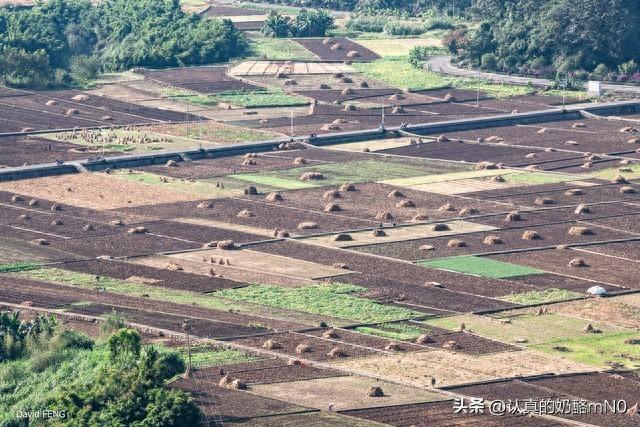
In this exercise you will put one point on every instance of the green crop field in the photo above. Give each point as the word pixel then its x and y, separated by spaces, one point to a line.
pixel 259 98
pixel 540 297
pixel 480 267
pixel 394 331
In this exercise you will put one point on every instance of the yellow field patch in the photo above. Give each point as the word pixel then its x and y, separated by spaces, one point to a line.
pixel 462 186
pixel 266 68
pixel 227 226
pixel 453 176
pixel 373 145
pixel 397 47
pixel 399 234
pixel 94 191
pixel 450 368
pixel 344 393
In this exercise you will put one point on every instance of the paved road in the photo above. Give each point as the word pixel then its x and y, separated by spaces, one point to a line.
pixel 442 64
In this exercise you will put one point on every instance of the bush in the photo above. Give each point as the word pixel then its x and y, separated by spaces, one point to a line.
pixel 439 23
pixel 601 71
pixel 404 28
pixel 85 68
pixel 366 23
pixel 489 61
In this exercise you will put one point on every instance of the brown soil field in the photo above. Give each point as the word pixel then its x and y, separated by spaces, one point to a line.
pixel 630 223
pixel 209 79
pixel 550 280
pixel 336 95
pixel 308 419
pixel 552 235
pixel 626 250
pixel 375 342
pixel 449 368
pixel 509 389
pixel 17 250
pixel 92 190
pixel 270 371
pixel 326 53
pixel 397 281
pixel 318 348
pixel 600 268
pixel 19 291
pixel 441 414
pixel 25 150
pixel 344 393
pixel 136 273
pixel 232 405
pixel 596 194
pixel 197 233
pixel 615 310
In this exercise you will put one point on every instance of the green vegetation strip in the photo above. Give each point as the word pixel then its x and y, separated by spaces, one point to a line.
pixel 18 266
pixel 397 72
pixel 394 331
pixel 331 300
pixel 205 356
pixel 259 98
pixel 541 297
pixel 480 267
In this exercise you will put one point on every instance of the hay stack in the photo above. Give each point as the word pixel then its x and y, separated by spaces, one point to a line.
pixel 420 217
pixel 468 210
pixel 250 191
pixel 204 205
pixel 330 333
pixel 424 339
pixel 34 202
pixel 378 232
pixel 328 40
pixel 498 178
pixel 290 82
pixel 392 346
pixel 395 193
pixel 442 138
pixel 226 245
pixel 492 240
pixel 72 112
pixel 282 234
pixel 56 222
pixel 426 248
pixel 336 352
pixel 347 187
pixel 572 143
pixel 80 98
pixel 332 207
pixel 439 227
pixel 52 102
pixel 633 141
pixel 16 199
pixel 531 235
pixel 451 345
pixel 587 165
pixel 449 98
pixel 577 263
pixel 494 138
pixel 582 209
pixel 324 86
pixel 274 196
pixel 574 192
pixel 249 162
pixel 384 216
pixel 336 46
pixel 245 213
pixel 271 345
pixel 330 126
pixel 531 156
pixel 339 122
pixel 541 201
pixel 580 231
pixel 628 129
pixel 350 107
pixel 24 216
pixel 331 194
pixel 398 110
pixel 486 166
pixel 41 242
pixel 172 164
pixel 375 391
pixel 24 130
pixel 311 176
pixel 173 266
pixel 353 54
pixel 346 79
pixel 364 85
pixel 338 75
pixel 455 243
pixel 627 190
pixel 447 207
pixel 405 204
pixel 56 207
pixel 619 180
pixel 107 118
pixel 579 125
pixel 116 223
pixel 513 217
pixel 396 97
pixel 343 237
pixel 307 225
pixel 302 348
pixel 340 265
pixel 347 91
pixel 137 230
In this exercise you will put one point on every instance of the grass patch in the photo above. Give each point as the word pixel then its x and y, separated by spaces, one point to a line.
pixel 18 266
pixel 259 98
pixel 479 266
pixel 541 297
pixel 355 171
pixel 518 327
pixel 279 49
pixel 394 331
pixel 335 300
pixel 204 356
pixel 397 72
pixel 610 173
pixel 398 46
pixel 199 187
pixel 182 95
pixel 537 178
pixel 597 349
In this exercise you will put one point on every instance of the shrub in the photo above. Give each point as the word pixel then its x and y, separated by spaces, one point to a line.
pixel 367 23
pixel 489 61
pixel 439 23
pixel 404 28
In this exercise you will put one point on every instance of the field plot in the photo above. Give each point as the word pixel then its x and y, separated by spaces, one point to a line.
pixel 299 68
pixel 523 327
pixel 20 150
pixel 344 393
pixel 18 251
pixel 440 414
pixel 395 47
pixel 203 80
pixel 338 49
pixel 598 268
pixel 309 419
pixel 449 368
pixel 480 267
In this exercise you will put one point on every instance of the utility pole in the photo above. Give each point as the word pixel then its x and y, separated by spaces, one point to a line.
pixel 382 113
pixel 186 122
pixel 478 90
pixel 186 327
pixel 291 126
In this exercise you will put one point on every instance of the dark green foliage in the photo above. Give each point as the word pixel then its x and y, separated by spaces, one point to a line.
pixel 61 41
pixel 569 36
pixel 308 23
pixel 18 336
pixel 124 345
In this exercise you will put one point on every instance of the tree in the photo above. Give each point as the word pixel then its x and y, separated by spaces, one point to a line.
pixel 277 25
pixel 124 346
